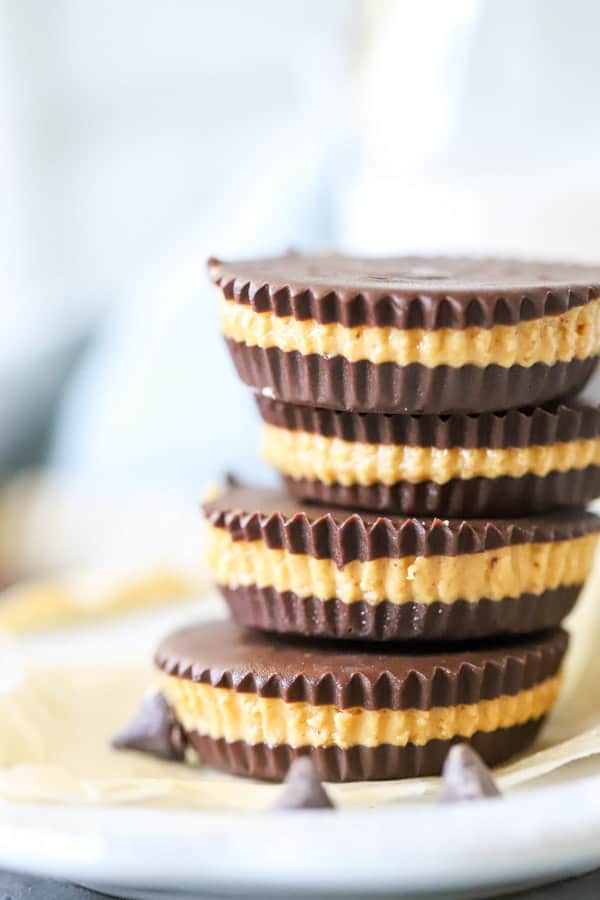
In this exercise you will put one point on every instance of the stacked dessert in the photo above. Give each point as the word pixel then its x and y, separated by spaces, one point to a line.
pixel 406 590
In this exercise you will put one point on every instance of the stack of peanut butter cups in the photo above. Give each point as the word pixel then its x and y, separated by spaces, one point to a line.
pixel 405 588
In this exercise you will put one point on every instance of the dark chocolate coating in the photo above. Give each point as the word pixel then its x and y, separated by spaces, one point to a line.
pixel 287 613
pixel 358 675
pixel 360 763
pixel 558 422
pixel 335 383
pixel 342 535
pixel 406 292
pixel 495 497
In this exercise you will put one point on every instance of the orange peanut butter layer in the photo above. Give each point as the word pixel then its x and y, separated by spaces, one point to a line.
pixel 301 454
pixel 494 574
pixel 574 334
pixel 224 713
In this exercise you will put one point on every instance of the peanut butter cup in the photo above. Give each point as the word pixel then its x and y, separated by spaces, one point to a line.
pixel 328 572
pixel 489 464
pixel 410 335
pixel 251 704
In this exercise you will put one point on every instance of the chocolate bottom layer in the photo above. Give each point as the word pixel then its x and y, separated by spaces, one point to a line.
pixel 287 613
pixel 359 763
pixel 476 497
pixel 336 383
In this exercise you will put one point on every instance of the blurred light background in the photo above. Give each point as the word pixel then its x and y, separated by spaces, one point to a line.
pixel 137 137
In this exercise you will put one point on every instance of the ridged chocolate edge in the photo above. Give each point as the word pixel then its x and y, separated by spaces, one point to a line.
pixel 286 613
pixel 271 763
pixel 400 309
pixel 520 666
pixel 344 536
pixel 502 496
pixel 554 423
pixel 335 383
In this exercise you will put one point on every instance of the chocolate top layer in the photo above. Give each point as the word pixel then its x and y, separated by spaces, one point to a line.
pixel 542 425
pixel 406 292
pixel 252 514
pixel 223 655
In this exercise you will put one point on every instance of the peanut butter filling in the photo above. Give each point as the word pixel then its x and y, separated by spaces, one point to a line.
pixel 574 334
pixel 495 574
pixel 225 713
pixel 332 460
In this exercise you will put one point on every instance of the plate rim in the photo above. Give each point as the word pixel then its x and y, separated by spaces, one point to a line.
pixel 406 843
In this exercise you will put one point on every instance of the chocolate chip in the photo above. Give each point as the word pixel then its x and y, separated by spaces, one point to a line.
pixel 466 776
pixel 154 730
pixel 302 788
pixel 231 480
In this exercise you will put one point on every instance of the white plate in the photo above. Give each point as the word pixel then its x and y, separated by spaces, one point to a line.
pixel 414 850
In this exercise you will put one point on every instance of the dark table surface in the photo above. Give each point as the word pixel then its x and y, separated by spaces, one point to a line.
pixel 25 887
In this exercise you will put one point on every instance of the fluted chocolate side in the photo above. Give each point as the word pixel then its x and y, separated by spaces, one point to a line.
pixel 336 383
pixel 553 423
pixel 359 763
pixel 406 292
pixel 252 514
pixel 287 613
pixel 503 496
pixel 357 675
